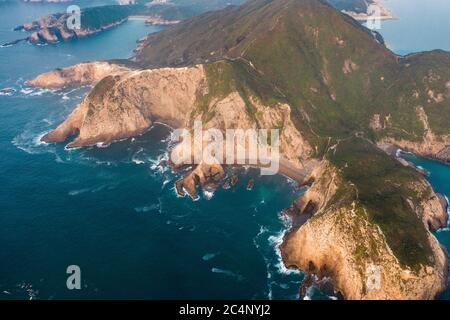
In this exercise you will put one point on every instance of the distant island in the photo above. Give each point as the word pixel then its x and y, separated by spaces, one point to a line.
pixel 53 29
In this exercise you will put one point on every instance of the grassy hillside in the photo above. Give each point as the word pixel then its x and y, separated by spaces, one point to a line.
pixel 384 190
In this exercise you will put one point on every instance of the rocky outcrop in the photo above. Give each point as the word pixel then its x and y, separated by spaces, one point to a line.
pixel 430 146
pixel 341 242
pixel 125 105
pixel 79 75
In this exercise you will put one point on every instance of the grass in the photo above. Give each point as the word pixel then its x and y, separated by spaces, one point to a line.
pixel 384 188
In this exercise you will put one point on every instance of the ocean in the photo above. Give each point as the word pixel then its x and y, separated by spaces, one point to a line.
pixel 113 210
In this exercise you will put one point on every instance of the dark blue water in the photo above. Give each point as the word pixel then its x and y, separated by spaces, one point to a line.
pixel 113 211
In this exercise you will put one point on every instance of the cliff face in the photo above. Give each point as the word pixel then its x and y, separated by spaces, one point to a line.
pixel 429 145
pixel 345 241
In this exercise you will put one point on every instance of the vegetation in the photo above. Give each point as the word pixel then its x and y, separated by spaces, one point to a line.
pixel 386 191
pixel 228 76
pixel 97 17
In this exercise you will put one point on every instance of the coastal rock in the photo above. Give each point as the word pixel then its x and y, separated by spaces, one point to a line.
pixel 208 177
pixel 79 75
pixel 341 241
pixel 7 91
pixel 127 103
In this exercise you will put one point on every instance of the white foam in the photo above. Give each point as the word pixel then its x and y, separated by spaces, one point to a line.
pixel 148 208
pixel 30 142
pixel 228 273
pixel 208 194
pixel 135 161
pixel 26 91
pixel 102 145
pixel 79 191
pixel 276 241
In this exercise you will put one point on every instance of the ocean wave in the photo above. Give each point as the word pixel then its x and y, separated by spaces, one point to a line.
pixel 135 159
pixel 26 91
pixel 145 209
pixel 28 289
pixel 228 273
pixel 165 182
pixel 276 241
pixel 6 94
pixel 29 142
pixel 158 163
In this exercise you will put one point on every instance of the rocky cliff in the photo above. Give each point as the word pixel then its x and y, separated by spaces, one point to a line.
pixel 87 73
pixel 346 240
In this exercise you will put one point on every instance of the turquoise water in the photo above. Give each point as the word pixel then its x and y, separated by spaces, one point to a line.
pixel 113 211
pixel 422 25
